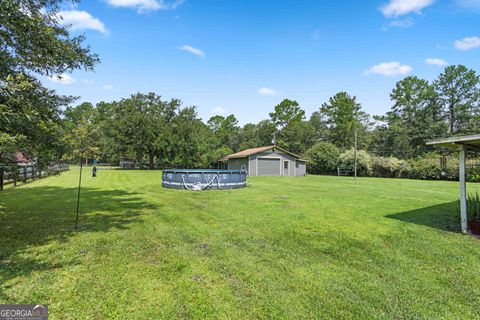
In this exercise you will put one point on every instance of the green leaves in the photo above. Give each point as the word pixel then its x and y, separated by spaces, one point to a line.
pixel 142 125
pixel 32 40
pixel 30 116
pixel 342 115
pixel 473 207
pixel 323 158
pixel 415 117
pixel 224 131
pixel 287 112
pixel 423 111
pixel 459 92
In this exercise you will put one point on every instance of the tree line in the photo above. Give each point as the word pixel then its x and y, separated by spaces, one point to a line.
pixel 144 127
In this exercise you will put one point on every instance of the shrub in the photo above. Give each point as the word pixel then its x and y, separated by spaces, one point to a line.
pixel 364 162
pixel 473 173
pixel 390 167
pixel 427 167
pixel 323 158
pixel 473 207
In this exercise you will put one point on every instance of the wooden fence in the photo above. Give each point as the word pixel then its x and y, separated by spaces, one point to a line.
pixel 23 173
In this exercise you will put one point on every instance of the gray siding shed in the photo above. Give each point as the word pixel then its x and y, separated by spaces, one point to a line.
pixel 238 163
pixel 267 161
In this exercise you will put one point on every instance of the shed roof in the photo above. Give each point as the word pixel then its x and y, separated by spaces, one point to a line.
pixel 251 151
pixel 472 142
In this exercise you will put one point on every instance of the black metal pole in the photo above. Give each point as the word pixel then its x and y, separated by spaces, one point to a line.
pixel 78 195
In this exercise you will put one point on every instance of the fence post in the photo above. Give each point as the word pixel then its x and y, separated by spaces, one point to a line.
pixel 15 174
pixel 33 172
pixel 24 174
pixel 1 178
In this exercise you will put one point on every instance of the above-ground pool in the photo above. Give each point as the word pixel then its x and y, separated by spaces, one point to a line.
pixel 203 179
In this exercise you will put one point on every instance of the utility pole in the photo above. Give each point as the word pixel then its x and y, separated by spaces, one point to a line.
pixel 274 141
pixel 355 156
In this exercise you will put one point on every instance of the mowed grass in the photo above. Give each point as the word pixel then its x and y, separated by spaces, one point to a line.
pixel 285 247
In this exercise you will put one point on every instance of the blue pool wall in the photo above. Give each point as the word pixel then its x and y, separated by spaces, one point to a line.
pixel 227 179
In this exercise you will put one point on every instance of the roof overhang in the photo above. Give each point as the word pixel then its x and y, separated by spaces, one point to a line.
pixel 237 157
pixel 471 142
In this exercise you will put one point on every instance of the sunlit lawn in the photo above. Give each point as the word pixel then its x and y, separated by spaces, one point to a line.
pixel 285 247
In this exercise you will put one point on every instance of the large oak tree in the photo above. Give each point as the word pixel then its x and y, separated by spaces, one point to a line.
pixel 33 42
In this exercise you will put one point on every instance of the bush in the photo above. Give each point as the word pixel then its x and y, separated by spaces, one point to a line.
pixel 323 158
pixel 427 167
pixel 390 167
pixel 473 207
pixel 364 162
pixel 473 173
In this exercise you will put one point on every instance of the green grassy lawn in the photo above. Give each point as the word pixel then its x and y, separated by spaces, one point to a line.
pixel 285 247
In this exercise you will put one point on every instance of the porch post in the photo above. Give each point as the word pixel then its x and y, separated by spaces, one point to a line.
pixel 463 190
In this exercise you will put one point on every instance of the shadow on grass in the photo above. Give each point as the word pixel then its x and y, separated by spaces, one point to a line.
pixel 444 216
pixel 31 217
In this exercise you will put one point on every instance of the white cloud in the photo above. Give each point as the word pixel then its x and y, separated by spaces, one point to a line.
pixel 62 79
pixel 389 69
pixel 146 5
pixel 397 8
pixel 264 91
pixel 467 43
pixel 405 23
pixel 436 62
pixel 87 81
pixel 192 50
pixel 81 20
pixel 398 23
pixel 107 87
pixel 219 111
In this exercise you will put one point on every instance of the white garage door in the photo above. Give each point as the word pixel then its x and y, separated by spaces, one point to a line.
pixel 268 167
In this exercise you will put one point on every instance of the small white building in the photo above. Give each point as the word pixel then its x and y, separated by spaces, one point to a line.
pixel 266 161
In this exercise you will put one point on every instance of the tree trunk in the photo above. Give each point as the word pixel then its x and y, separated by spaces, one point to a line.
pixel 452 118
pixel 151 158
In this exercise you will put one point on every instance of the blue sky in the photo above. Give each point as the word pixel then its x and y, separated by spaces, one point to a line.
pixel 244 57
